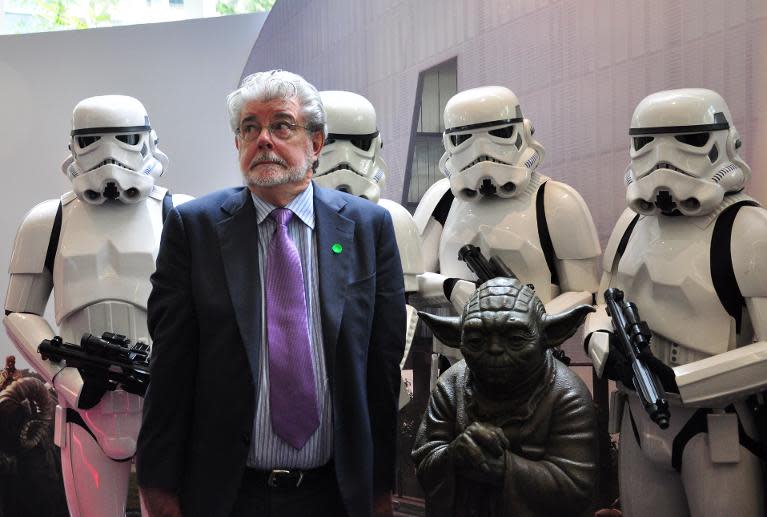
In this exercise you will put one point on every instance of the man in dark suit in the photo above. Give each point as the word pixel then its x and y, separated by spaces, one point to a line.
pixel 277 317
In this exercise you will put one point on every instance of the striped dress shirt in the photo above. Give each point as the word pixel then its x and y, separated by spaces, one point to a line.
pixel 268 451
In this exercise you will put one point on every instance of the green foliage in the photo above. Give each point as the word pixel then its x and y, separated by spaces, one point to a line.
pixel 243 6
pixel 63 14
pixel 51 15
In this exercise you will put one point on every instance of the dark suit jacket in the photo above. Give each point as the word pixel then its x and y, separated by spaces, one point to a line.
pixel 204 319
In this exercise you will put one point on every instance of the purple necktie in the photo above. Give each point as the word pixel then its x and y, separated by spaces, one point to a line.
pixel 292 392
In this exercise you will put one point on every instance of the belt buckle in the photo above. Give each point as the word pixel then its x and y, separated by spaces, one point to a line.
pixel 275 475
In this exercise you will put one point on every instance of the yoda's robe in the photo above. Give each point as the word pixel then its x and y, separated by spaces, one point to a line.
pixel 550 465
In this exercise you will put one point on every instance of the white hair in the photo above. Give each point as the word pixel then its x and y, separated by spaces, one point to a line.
pixel 278 84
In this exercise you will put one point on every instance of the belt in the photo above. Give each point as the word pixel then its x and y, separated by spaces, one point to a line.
pixel 289 478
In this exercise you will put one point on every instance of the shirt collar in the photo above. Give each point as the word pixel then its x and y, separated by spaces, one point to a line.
pixel 302 206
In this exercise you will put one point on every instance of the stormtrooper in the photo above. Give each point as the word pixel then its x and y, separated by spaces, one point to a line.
pixel 689 252
pixel 494 198
pixel 95 247
pixel 351 161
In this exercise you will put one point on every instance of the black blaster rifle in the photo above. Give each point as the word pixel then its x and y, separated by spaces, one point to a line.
pixel 104 363
pixel 633 337
pixel 493 268
pixel 483 268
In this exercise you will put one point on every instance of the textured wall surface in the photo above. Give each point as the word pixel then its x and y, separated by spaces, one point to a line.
pixel 181 71
pixel 579 68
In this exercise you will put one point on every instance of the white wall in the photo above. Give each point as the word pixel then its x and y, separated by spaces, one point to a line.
pixel 181 71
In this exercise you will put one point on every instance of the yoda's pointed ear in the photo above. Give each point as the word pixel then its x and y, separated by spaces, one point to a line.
pixel 445 328
pixel 558 327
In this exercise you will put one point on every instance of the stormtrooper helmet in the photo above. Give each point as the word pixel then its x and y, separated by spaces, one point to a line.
pixel 489 145
pixel 114 152
pixel 351 158
pixel 684 154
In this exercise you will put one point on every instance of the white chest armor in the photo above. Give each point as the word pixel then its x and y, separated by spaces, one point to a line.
pixel 102 266
pixel 666 271
pixel 504 227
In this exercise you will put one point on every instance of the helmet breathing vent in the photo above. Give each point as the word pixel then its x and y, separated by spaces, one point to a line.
pixel 487 188
pixel 518 143
pixel 532 160
pixel 721 173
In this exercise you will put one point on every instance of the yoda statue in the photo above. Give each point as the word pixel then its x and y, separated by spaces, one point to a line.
pixel 509 430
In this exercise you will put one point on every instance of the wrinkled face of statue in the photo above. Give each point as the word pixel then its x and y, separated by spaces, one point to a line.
pixel 501 332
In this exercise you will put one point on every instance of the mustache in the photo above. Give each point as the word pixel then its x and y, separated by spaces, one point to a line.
pixel 267 157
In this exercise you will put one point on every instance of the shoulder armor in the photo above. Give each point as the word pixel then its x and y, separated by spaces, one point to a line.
pixel 32 238
pixel 712 217
pixel 748 246
pixel 408 240
pixel 429 202
pixel 158 193
pixel 571 227
pixel 619 230
pixel 180 199
pixel 68 198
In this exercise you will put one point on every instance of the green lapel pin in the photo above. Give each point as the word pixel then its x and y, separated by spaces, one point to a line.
pixel 337 248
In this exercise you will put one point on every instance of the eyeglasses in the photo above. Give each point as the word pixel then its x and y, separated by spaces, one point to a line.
pixel 283 130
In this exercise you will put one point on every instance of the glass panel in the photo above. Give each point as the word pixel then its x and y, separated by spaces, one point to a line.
pixel 436 86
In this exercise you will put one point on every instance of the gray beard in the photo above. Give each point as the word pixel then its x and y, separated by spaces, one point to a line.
pixel 289 175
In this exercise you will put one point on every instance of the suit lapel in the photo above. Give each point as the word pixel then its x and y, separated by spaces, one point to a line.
pixel 332 229
pixel 238 238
